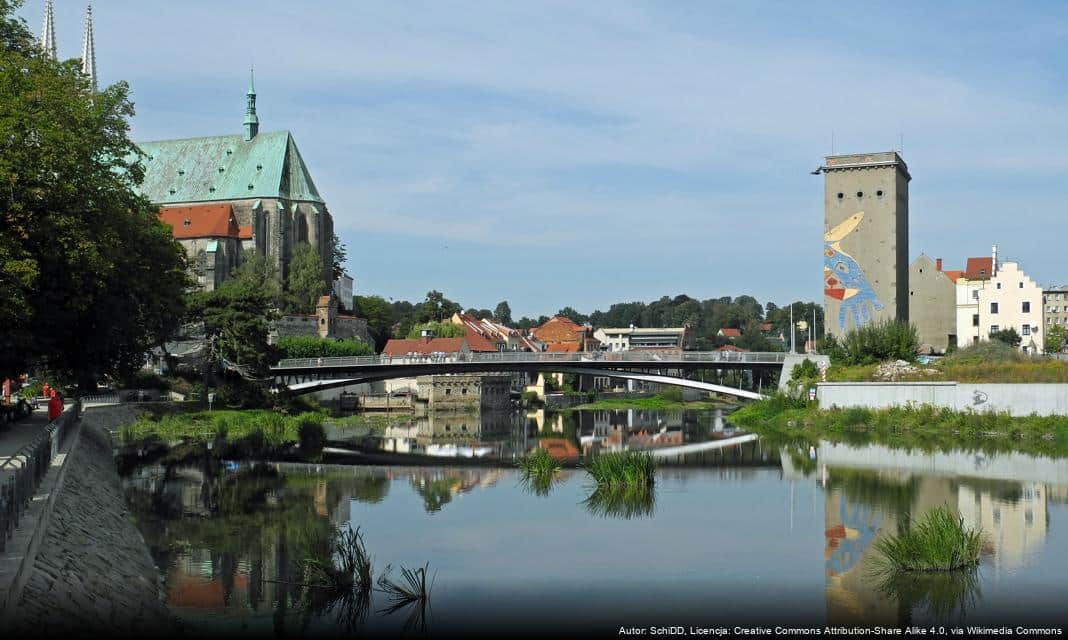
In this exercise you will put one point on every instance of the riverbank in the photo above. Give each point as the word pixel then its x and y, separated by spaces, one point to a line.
pixel 93 572
pixel 924 427
pixel 657 402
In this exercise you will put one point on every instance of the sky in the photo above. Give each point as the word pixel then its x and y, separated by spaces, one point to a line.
pixel 579 154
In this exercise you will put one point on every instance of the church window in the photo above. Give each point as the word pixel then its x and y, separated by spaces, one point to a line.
pixel 259 167
pixel 181 172
pixel 250 186
pixel 221 169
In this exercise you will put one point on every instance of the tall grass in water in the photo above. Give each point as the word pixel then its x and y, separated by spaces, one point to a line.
pixel 344 583
pixel 622 501
pixel 537 471
pixel 939 541
pixel 624 468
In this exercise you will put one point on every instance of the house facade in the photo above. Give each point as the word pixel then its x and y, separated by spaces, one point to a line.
pixel 932 304
pixel 993 296
pixel 642 338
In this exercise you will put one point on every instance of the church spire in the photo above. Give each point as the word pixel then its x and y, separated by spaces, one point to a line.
pixel 48 32
pixel 88 48
pixel 252 123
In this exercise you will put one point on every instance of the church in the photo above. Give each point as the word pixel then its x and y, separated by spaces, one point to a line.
pixel 226 195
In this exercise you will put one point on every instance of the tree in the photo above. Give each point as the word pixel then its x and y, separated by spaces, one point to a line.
pixel 305 282
pixel 502 313
pixel 236 319
pixel 479 314
pixel 1008 336
pixel 90 278
pixel 752 339
pixel 573 315
pixel 316 347
pixel 436 308
pixel 379 317
pixel 1056 336
pixel 338 256
pixel 440 330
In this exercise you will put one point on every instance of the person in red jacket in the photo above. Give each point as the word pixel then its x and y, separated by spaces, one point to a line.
pixel 55 406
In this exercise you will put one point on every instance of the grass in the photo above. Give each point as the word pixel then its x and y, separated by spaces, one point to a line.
pixel 986 361
pixel 922 427
pixel 627 502
pixel 412 586
pixel 231 425
pixel 624 468
pixel 940 541
pixel 351 566
pixel 538 469
pixel 654 402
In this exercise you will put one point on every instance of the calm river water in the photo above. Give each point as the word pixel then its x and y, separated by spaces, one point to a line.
pixel 743 533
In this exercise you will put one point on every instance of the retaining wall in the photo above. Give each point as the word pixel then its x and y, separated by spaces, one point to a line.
pixel 1017 399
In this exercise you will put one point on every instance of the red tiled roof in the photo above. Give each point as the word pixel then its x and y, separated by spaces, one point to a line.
pixel 765 326
pixel 559 329
pixel 977 265
pixel 563 347
pixel 424 347
pixel 245 232
pixel 730 347
pixel 201 221
pixel 953 275
pixel 730 332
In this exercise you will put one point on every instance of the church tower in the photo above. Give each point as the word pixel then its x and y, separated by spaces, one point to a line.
pixel 89 49
pixel 252 123
pixel 48 32
pixel 865 240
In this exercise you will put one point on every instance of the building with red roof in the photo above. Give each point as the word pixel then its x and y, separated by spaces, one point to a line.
pixel 418 347
pixel 211 237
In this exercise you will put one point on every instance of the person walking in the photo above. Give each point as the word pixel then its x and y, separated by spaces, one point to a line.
pixel 55 406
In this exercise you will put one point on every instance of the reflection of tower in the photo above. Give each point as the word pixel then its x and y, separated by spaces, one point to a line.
pixel 1014 524
pixel 866 241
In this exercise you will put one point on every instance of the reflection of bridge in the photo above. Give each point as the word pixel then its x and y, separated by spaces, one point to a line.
pixel 304 375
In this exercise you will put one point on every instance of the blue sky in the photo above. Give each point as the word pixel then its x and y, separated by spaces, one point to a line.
pixel 579 154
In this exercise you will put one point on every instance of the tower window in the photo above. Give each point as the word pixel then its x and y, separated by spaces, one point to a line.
pixel 879 193
pixel 840 195
pixel 860 194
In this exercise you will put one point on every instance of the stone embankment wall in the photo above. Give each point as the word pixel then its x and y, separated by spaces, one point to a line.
pixel 93 573
pixel 1017 399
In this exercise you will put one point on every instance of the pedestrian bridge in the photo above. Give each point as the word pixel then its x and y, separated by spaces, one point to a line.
pixel 305 375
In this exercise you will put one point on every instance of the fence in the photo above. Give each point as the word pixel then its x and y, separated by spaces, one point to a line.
pixel 630 357
pixel 27 468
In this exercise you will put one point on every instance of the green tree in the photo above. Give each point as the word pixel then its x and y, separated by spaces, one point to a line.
pixel 440 329
pixel 1056 336
pixel 338 256
pixel 435 308
pixel 573 315
pixel 379 316
pixel 502 313
pixel 1008 336
pixel 305 282
pixel 316 347
pixel 89 277
pixel 236 319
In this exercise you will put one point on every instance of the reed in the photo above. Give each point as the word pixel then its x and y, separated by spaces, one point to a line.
pixel 412 586
pixel 939 541
pixel 624 468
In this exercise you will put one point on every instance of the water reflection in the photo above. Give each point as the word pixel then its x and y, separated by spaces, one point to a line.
pixel 231 540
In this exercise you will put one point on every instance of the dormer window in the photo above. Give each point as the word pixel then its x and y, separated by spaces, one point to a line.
pixel 187 222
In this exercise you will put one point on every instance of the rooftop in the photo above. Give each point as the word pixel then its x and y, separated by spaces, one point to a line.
pixel 865 160
pixel 978 268
pixel 201 221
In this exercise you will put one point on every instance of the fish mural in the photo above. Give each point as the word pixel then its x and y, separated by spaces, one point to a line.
pixel 843 278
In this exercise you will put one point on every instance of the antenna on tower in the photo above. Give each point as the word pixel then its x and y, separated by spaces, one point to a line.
pixel 48 32
pixel 832 143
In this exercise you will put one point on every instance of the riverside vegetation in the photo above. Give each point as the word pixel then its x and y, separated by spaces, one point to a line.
pixel 940 541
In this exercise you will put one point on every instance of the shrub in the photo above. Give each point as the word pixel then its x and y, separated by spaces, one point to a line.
pixel 984 352
pixel 671 394
pixel 874 342
pixel 1008 336
pixel 938 542
pixel 441 330
pixel 315 347
pixel 312 437
pixel 145 380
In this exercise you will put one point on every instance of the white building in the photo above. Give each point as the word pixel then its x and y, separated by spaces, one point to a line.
pixel 630 338
pixel 994 296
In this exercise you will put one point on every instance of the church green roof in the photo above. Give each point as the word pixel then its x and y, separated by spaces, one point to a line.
pixel 226 168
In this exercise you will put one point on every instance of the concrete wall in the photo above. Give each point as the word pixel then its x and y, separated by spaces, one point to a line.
pixel 793 359
pixel 932 305
pixel 1017 399
pixel 867 262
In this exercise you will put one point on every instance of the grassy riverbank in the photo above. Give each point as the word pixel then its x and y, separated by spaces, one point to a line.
pixel 229 425
pixel 989 361
pixel 925 427
pixel 657 402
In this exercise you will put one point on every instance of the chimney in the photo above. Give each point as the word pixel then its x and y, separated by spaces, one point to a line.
pixel 994 261
pixel 938 264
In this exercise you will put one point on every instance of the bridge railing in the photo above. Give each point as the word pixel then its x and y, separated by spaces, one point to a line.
pixel 506 357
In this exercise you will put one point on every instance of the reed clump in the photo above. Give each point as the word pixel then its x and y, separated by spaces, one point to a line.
pixel 538 470
pixel 623 468
pixel 411 587
pixel 940 541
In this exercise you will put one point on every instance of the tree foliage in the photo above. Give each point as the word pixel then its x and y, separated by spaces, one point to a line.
pixel 1008 336
pixel 440 329
pixel 305 282
pixel 379 315
pixel 316 347
pixel 1055 338
pixel 874 342
pixel 502 313
pixel 89 277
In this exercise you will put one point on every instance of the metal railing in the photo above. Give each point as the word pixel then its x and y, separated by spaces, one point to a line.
pixel 522 357
pixel 27 469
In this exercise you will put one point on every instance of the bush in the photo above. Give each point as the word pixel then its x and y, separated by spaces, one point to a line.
pixel 985 352
pixel 874 342
pixel 145 380
pixel 315 347
pixel 671 394
pixel 312 436
pixel 1008 336
pixel 530 397
pixel 440 329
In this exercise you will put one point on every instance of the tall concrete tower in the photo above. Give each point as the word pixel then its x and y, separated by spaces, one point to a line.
pixel 865 240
